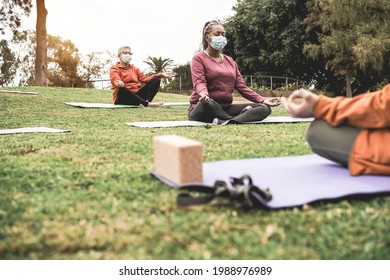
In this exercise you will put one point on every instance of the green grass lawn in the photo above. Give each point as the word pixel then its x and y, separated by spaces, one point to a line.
pixel 88 194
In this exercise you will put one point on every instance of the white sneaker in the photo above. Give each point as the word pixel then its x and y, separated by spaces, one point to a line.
pixel 246 109
pixel 217 121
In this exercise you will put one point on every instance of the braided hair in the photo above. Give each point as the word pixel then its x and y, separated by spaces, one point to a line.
pixel 206 30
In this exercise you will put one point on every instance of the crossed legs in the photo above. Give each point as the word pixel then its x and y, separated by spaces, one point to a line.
pixel 333 143
pixel 143 96
pixel 235 113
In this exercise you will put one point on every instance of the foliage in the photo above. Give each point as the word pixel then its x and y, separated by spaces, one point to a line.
pixel 95 65
pixel 88 194
pixel 158 64
pixel 23 43
pixel 182 70
pixel 66 66
pixel 7 64
pixel 11 12
pixel 352 35
pixel 271 37
pixel 266 38
pixel 182 78
pixel 10 15
pixel 63 59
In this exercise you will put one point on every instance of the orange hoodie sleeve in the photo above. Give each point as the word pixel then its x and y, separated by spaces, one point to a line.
pixel 144 79
pixel 369 110
pixel 114 75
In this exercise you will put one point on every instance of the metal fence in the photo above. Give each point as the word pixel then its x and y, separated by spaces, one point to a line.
pixel 99 84
pixel 183 84
pixel 270 83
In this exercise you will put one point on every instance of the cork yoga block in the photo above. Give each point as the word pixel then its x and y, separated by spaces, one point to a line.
pixel 178 159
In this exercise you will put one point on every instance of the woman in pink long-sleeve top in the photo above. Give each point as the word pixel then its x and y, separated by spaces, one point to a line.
pixel 214 77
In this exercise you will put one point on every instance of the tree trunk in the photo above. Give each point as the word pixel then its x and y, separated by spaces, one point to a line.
pixel 41 48
pixel 348 85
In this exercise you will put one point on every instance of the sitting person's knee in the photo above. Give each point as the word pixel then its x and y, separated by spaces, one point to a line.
pixel 315 131
pixel 267 110
pixel 264 110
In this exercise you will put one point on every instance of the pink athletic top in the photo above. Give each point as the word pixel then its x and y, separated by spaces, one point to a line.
pixel 218 80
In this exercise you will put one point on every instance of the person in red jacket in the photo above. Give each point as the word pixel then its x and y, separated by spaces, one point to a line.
pixel 354 132
pixel 214 77
pixel 126 82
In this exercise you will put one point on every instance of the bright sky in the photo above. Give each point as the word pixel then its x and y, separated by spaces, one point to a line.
pixel 168 28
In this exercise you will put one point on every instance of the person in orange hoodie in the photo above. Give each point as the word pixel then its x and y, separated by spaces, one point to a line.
pixel 354 132
pixel 126 82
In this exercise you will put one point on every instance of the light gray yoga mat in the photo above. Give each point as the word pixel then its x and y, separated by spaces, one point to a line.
pixel 283 119
pixel 99 105
pixel 19 92
pixel 176 103
pixel 161 124
pixel 31 130
pixel 113 106
pixel 295 180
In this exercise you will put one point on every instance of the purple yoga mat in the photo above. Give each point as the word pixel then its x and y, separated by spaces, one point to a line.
pixel 295 180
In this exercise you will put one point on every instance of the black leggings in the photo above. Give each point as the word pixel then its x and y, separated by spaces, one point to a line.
pixel 143 96
pixel 207 112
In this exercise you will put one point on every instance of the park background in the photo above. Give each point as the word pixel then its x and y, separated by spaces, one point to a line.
pixel 338 47
pixel 88 194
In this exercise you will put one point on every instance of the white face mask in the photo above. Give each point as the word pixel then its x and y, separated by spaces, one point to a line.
pixel 126 58
pixel 218 42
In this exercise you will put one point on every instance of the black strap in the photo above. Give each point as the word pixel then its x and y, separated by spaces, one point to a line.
pixel 241 192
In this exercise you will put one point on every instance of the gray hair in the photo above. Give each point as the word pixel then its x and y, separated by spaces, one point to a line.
pixel 121 49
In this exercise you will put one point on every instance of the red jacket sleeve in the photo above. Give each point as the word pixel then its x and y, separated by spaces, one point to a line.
pixel 114 75
pixel 144 79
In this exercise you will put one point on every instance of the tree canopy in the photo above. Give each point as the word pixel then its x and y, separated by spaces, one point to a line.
pixel 7 63
pixel 266 36
pixel 10 15
pixel 317 41
pixel 158 64
pixel 352 35
pixel 66 66
pixel 338 45
pixel 11 12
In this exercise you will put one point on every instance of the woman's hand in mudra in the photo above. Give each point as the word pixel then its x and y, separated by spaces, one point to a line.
pixel 204 98
pixel 272 101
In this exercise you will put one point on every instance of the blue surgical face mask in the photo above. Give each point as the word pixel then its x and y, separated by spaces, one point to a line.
pixel 218 42
pixel 126 58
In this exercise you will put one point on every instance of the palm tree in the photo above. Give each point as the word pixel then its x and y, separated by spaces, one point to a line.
pixel 158 64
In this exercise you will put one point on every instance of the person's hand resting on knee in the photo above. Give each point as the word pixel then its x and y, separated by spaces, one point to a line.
pixel 204 98
pixel 272 101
